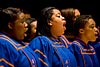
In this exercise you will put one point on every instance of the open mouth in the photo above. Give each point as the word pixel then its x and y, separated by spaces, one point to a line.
pixel 64 25
pixel 96 35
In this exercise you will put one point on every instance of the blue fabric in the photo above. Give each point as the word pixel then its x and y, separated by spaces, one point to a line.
pixel 85 55
pixel 97 49
pixel 57 54
pixel 16 54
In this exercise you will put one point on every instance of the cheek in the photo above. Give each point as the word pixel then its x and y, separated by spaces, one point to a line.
pixel 60 25
pixel 91 36
pixel 20 28
pixel 20 25
pixel 33 30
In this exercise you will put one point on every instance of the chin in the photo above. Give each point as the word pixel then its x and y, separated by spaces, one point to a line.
pixel 21 38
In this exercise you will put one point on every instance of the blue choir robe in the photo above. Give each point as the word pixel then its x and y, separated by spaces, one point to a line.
pixel 85 55
pixel 16 54
pixel 53 53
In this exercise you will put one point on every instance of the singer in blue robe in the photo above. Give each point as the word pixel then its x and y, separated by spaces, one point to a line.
pixel 85 31
pixel 49 43
pixel 13 52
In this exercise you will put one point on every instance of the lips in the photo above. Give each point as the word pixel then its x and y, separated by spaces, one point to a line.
pixel 64 28
pixel 96 35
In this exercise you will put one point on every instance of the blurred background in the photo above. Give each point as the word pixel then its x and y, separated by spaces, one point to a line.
pixel 34 6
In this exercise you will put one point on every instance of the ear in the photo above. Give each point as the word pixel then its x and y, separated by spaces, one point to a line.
pixel 10 26
pixel 50 23
pixel 81 31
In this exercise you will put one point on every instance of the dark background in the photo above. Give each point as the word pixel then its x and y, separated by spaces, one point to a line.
pixel 34 6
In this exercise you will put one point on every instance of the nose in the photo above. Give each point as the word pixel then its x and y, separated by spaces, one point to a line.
pixel 63 18
pixel 96 30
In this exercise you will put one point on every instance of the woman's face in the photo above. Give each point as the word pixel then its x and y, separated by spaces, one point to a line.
pixel 57 23
pixel 33 28
pixel 19 27
pixel 90 31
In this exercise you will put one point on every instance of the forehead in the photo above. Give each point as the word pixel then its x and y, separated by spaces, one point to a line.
pixel 91 22
pixel 21 18
pixel 56 11
pixel 34 23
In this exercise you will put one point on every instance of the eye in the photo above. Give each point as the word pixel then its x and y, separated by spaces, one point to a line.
pixel 59 16
pixel 22 22
pixel 92 27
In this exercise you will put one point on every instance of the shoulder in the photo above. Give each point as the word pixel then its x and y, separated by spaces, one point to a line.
pixel 4 42
pixel 76 45
pixel 40 41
